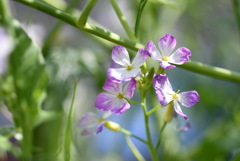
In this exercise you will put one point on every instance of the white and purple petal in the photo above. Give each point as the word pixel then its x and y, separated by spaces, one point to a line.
pixel 178 110
pixel 166 65
pixel 163 97
pixel 105 101
pixel 94 130
pixel 120 106
pixel 112 86
pixel 120 56
pixel 161 81
pixel 122 74
pixel 153 51
pixel 128 90
pixel 189 98
pixel 180 56
pixel 167 44
pixel 88 120
pixel 140 58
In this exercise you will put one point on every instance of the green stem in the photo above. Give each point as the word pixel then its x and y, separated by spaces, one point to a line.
pixel 160 138
pixel 153 110
pixel 123 20
pixel 85 13
pixel 196 67
pixel 6 17
pixel 149 139
pixel 236 9
pixel 139 14
pixel 126 132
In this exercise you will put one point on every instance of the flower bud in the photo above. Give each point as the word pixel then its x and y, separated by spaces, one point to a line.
pixel 150 75
pixel 144 68
pixel 112 126
pixel 169 113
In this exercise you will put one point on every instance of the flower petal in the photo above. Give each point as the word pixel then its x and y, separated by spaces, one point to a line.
pixel 112 86
pixel 178 110
pixel 153 51
pixel 100 127
pixel 162 97
pixel 128 91
pixel 180 56
pixel 166 65
pixel 140 58
pixel 88 120
pixel 189 98
pixel 122 74
pixel 120 106
pixel 105 101
pixel 94 130
pixel 161 81
pixel 167 44
pixel 120 55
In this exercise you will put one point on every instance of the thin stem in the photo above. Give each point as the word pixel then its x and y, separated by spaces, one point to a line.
pixel 153 110
pixel 149 139
pixel 132 102
pixel 236 9
pixel 139 14
pixel 134 149
pixel 123 20
pixel 85 13
pixel 160 138
pixel 196 67
pixel 126 132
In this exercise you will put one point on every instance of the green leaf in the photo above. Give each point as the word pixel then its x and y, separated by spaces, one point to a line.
pixel 27 68
pixel 68 131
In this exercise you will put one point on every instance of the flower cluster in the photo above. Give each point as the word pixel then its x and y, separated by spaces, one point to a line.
pixel 124 76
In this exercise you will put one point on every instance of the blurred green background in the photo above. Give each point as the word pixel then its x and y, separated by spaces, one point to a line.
pixel 207 28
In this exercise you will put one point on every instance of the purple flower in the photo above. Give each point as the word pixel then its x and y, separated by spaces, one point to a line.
pixel 166 95
pixel 91 124
pixel 6 45
pixel 115 99
pixel 165 56
pixel 127 70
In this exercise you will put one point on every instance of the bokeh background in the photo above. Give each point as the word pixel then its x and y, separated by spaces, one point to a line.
pixel 208 28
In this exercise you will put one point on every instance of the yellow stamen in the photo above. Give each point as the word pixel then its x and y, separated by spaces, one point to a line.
pixel 175 96
pixel 129 67
pixel 165 58
pixel 120 96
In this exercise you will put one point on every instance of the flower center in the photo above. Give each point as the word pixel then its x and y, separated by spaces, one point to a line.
pixel 120 96
pixel 165 58
pixel 129 67
pixel 175 95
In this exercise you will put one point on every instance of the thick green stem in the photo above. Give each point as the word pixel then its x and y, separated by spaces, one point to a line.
pixel 196 67
pixel 52 34
pixel 85 13
pixel 123 20
pixel 5 16
pixel 146 119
